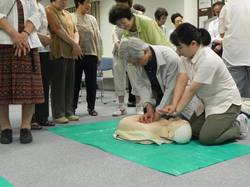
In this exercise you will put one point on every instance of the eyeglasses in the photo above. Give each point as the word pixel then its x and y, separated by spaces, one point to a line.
pixel 179 21
pixel 121 22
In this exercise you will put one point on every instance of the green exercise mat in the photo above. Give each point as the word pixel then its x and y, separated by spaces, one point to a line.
pixel 5 183
pixel 172 158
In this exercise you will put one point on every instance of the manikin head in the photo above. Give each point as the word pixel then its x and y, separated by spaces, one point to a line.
pixel 174 129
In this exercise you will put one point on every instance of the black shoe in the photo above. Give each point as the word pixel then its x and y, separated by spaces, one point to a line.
pixel 25 136
pixel 6 136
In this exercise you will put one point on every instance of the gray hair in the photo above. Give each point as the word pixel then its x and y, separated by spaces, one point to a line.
pixel 132 48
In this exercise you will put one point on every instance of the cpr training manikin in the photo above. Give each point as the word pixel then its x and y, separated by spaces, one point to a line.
pixel 162 131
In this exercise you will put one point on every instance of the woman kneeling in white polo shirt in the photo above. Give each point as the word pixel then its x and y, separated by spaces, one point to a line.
pixel 216 118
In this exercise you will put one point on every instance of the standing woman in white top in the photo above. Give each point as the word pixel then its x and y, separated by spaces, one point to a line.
pixel 20 75
pixel 41 114
pixel 214 120
pixel 176 19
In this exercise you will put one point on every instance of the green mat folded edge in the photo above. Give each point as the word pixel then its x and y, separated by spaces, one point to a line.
pixel 172 158
pixel 4 182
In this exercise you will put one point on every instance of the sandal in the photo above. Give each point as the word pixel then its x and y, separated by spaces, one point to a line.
pixel 35 126
pixel 47 123
pixel 92 112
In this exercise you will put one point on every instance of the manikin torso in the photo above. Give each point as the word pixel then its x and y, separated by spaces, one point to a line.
pixel 173 129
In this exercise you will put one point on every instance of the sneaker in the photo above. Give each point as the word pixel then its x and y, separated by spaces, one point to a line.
pixel 25 136
pixel 61 120
pixel 139 109
pixel 72 118
pixel 120 110
pixel 6 136
pixel 244 125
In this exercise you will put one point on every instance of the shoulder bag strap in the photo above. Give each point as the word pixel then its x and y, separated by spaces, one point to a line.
pixel 11 8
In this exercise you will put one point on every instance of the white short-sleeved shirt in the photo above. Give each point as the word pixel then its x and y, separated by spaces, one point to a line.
pixel 44 26
pixel 234 22
pixel 213 30
pixel 164 30
pixel 169 33
pixel 220 90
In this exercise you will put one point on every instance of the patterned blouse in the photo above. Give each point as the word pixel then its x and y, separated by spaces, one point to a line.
pixel 90 36
pixel 60 20
pixel 86 33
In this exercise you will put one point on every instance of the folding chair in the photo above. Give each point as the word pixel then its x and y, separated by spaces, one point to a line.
pixel 106 65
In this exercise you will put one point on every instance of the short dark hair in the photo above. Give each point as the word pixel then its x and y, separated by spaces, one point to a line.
pixel 175 15
pixel 79 1
pixel 139 7
pixel 119 11
pixel 160 12
pixel 52 1
pixel 186 33
pixel 218 3
pixel 125 1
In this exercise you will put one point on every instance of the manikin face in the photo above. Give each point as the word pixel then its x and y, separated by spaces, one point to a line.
pixel 217 10
pixel 187 50
pixel 162 20
pixel 60 4
pixel 178 21
pixel 85 7
pixel 124 23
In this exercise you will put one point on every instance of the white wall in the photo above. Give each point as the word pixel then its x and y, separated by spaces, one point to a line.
pixel 188 8
pixel 191 12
